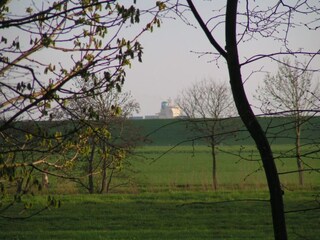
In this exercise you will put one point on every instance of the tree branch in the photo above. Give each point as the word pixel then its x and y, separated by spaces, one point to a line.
pixel 206 30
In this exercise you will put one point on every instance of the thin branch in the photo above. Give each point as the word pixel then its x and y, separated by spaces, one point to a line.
pixel 206 30
pixel 27 217
pixel 302 210
pixel 222 202
pixel 301 170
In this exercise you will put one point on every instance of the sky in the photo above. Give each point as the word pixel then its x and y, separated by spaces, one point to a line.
pixel 168 67
pixel 170 64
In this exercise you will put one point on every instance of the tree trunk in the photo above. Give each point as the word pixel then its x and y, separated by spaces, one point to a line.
pixel 214 166
pixel 104 176
pixel 90 169
pixel 252 124
pixel 109 181
pixel 247 115
pixel 298 150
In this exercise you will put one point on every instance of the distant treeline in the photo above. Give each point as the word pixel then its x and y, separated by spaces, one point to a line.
pixel 280 130
pixel 164 132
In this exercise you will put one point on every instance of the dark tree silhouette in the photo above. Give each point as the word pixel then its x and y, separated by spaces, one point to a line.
pixel 244 23
pixel 206 104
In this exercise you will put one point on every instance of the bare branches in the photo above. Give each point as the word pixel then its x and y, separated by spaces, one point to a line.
pixel 289 90
pixel 78 40
pixel 88 37
pixel 206 99
pixel 206 30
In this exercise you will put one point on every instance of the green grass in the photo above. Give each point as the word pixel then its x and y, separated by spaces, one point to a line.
pixel 162 168
pixel 237 168
pixel 174 200
pixel 166 215
pixel 173 197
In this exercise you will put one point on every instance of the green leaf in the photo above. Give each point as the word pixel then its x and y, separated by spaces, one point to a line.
pixel 161 5
pixel 29 10
pixel 46 41
pixel 118 87
pixel 57 6
pixel 5 40
pixel 89 57
pixel 107 76
pixel 27 205
pixel 137 16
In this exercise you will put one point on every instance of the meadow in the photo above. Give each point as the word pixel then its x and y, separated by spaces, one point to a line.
pixel 190 168
pixel 170 195
pixel 171 198
pixel 166 215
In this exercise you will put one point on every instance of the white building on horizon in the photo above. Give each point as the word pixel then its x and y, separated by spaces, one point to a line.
pixel 169 110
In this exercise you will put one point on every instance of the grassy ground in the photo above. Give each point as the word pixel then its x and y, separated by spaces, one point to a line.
pixel 167 215
pixel 173 200
pixel 190 168
pixel 237 168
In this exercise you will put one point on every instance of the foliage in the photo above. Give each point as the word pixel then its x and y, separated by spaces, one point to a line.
pixel 45 47
pixel 106 138
pixel 25 159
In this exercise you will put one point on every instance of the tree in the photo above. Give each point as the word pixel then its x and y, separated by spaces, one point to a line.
pixel 273 21
pixel 205 104
pixel 45 47
pixel 231 56
pixel 290 91
pixel 106 137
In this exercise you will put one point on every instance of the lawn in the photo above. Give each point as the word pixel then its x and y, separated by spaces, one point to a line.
pixel 238 167
pixel 170 197
pixel 166 215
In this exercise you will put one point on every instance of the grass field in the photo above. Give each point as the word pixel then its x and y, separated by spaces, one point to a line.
pixel 163 168
pixel 166 215
pixel 172 199
pixel 238 168
pixel 169 195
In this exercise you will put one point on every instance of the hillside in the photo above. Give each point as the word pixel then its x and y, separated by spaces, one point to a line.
pixel 280 130
pixel 170 132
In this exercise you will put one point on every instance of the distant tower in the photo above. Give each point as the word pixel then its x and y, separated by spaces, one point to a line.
pixel 164 105
pixel 168 110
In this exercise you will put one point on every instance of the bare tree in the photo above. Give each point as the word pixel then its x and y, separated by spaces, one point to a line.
pixel 244 23
pixel 205 104
pixel 290 92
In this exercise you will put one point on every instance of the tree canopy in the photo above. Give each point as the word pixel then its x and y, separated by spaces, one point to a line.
pixel 45 47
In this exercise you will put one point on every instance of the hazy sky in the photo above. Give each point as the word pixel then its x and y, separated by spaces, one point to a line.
pixel 169 65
